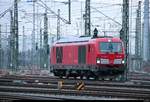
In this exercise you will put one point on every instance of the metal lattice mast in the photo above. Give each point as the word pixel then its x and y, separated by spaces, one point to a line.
pixel 45 40
pixel 148 38
pixel 58 25
pixel 142 44
pixel 124 35
pixel 23 46
pixel 87 18
pixel 69 10
pixel 41 47
pixel 81 25
pixel 37 41
pixel 12 39
pixel 6 50
pixel 138 38
pixel 33 36
pixel 146 31
pixel 16 33
pixel 0 49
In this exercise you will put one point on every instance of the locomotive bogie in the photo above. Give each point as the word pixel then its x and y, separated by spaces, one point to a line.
pixel 86 71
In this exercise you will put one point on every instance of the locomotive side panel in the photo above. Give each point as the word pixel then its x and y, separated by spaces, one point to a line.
pixel 66 58
pixel 75 55
pixel 70 55
pixel 52 56
pixel 90 54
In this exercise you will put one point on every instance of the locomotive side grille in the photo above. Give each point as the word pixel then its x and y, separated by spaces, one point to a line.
pixel 117 61
pixel 104 61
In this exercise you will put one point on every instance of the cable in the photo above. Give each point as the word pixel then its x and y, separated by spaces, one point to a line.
pixel 45 6
pixel 5 12
pixel 106 16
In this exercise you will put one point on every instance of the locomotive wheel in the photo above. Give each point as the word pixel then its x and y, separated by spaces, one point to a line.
pixel 87 77
pixel 67 76
pixel 102 79
pixel 88 74
pixel 96 77
pixel 81 77
pixel 60 76
pixel 75 77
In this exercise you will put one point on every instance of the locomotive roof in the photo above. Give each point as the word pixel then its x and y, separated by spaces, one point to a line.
pixel 73 39
pixel 80 39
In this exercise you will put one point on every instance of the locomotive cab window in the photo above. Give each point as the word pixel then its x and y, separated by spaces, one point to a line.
pixel 110 47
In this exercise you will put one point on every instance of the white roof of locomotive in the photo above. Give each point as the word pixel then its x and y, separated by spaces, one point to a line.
pixel 73 39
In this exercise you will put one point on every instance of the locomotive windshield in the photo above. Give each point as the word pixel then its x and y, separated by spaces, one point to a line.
pixel 110 47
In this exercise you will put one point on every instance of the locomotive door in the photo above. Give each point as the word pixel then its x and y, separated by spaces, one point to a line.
pixel 82 54
pixel 59 54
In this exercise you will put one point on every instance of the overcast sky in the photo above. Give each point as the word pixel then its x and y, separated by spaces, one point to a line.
pixel 111 8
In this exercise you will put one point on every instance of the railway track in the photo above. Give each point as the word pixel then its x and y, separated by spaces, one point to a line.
pixel 50 85
pixel 52 79
pixel 139 76
pixel 19 96
pixel 131 76
pixel 55 80
pixel 30 96
pixel 73 82
pixel 120 92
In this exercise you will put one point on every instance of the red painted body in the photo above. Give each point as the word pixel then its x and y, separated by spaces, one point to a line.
pixel 70 55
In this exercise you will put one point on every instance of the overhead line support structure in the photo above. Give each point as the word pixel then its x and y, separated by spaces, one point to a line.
pixel 69 8
pixel 124 33
pixel 87 18
pixel 12 41
pixel 16 52
pixel 41 58
pixel 45 40
pixel 0 49
pixel 58 25
pixel 23 47
pixel 33 36
pixel 138 45
pixel 146 35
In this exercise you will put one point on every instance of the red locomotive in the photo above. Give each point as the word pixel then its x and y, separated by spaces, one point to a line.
pixel 88 57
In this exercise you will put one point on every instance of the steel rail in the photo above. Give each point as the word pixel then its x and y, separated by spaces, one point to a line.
pixel 20 96
pixel 76 92
pixel 55 85
pixel 13 95
pixel 133 83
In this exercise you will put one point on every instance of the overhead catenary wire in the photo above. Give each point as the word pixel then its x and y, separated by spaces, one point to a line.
pixel 5 12
pixel 106 15
pixel 49 9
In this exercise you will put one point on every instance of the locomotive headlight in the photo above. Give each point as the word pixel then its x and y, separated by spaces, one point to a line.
pixel 122 61
pixel 98 60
